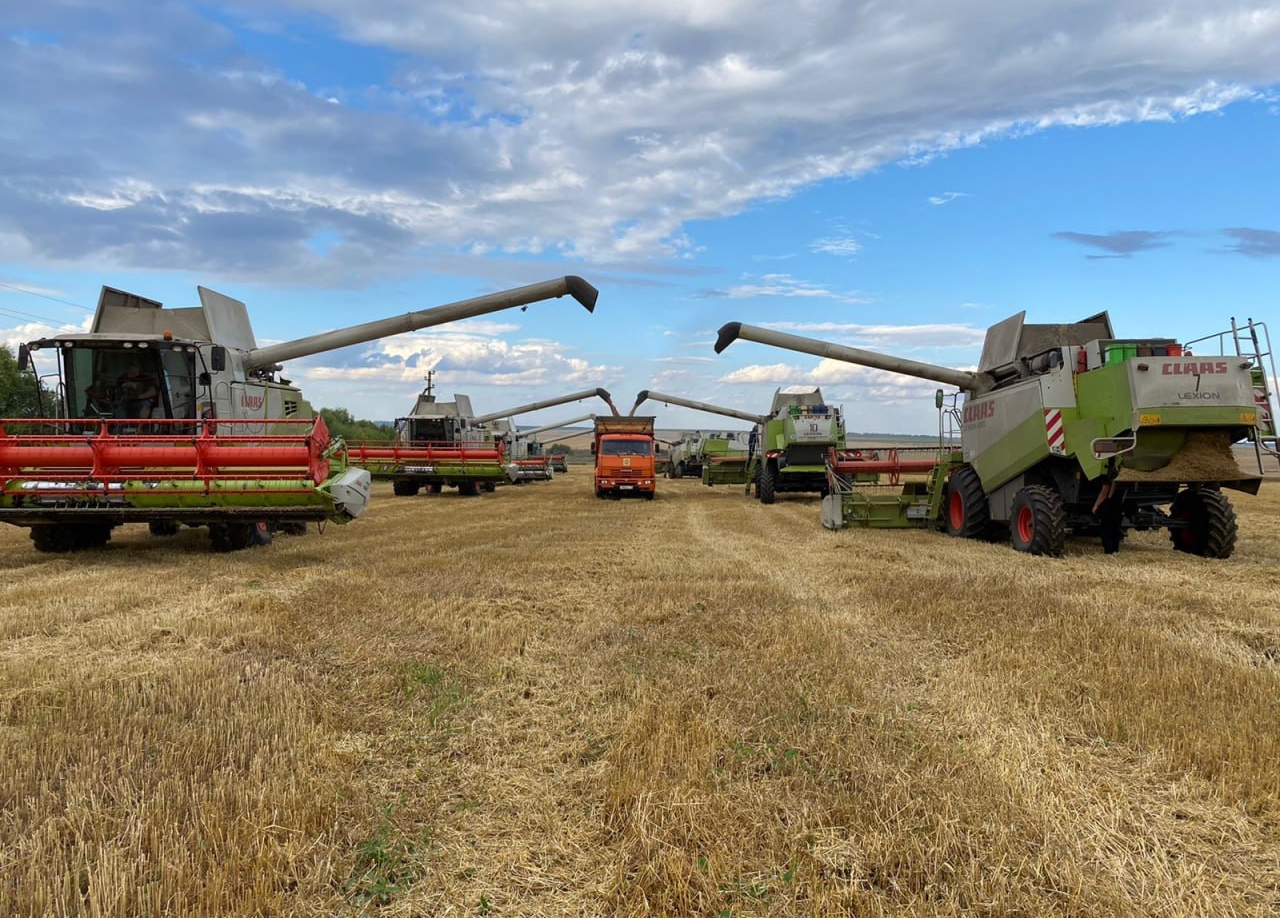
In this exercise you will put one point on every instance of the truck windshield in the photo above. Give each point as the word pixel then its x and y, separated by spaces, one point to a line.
pixel 626 447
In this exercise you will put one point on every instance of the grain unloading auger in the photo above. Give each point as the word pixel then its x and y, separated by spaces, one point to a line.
pixel 529 459
pixel 716 459
pixel 176 416
pixel 1066 428
pixel 442 444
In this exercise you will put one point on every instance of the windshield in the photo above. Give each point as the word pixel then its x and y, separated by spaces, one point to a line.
pixel 129 382
pixel 626 447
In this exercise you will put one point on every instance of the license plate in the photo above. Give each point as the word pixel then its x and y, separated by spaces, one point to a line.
pixel 626 487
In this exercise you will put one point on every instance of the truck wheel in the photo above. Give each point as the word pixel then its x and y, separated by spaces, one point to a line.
pixel 1210 530
pixel 1038 526
pixel 489 487
pixel 967 513
pixel 468 488
pixel 405 488
pixel 767 483
pixel 163 528
pixel 679 470
pixel 435 487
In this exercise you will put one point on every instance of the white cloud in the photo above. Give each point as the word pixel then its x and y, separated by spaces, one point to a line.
pixel 784 285
pixel 583 129
pixel 845 246
pixel 465 359
pixel 946 197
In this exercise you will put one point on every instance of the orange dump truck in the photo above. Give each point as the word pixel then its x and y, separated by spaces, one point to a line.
pixel 624 457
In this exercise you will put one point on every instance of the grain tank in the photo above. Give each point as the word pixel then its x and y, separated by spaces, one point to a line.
pixel 1067 428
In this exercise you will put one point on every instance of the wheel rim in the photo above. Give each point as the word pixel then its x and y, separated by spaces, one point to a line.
pixel 955 508
pixel 1026 525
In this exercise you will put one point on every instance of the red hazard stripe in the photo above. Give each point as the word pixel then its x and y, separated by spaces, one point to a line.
pixel 1053 429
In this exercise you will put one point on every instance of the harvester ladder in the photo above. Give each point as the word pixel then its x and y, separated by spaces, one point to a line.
pixel 1253 341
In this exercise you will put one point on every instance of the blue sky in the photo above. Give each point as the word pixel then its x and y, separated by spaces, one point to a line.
pixel 895 177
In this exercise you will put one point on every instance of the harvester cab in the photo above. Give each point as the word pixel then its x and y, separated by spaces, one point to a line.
pixel 171 416
pixel 1067 428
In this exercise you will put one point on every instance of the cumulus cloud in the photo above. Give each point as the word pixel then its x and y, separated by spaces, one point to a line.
pixel 946 197
pixel 1121 244
pixel 574 129
pixel 1255 243
pixel 467 358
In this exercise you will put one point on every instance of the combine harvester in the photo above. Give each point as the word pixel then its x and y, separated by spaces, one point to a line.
pixel 176 416
pixel 442 444
pixel 538 468
pixel 716 459
pixel 1065 429
pixel 529 459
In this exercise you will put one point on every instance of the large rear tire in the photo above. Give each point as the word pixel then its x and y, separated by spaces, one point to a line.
pixel 1209 529
pixel 163 528
pixel 405 488
pixel 225 537
pixel 967 513
pixel 768 483
pixel 1039 520
pixel 468 488
pixel 60 538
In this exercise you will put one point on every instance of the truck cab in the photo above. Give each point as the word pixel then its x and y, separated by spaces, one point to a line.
pixel 624 450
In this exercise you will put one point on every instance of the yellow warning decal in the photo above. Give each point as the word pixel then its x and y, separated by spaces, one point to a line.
pixel 1248 417
pixel 1148 420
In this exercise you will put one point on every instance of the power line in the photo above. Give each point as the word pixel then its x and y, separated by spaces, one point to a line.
pixel 44 296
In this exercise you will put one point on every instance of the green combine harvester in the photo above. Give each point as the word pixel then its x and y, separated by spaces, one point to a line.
pixel 1065 429
pixel 172 417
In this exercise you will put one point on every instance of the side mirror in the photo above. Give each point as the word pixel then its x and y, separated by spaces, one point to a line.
pixel 205 380
pixel 24 358
pixel 218 358
pixel 937 399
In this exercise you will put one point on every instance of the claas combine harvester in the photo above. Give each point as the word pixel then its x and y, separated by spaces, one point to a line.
pixel 177 416
pixel 443 444
pixel 717 459
pixel 530 460
pixel 1064 429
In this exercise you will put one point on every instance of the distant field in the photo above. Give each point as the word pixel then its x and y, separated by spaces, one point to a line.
pixel 538 703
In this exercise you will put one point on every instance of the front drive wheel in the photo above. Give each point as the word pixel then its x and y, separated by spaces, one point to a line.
pixel 1208 524
pixel 767 483
pixel 968 516
pixel 1038 526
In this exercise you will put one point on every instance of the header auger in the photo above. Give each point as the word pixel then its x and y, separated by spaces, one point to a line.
pixel 1066 428
pixel 172 416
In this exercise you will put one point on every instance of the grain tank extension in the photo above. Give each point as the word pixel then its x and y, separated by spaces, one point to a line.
pixel 177 416
pixel 1067 428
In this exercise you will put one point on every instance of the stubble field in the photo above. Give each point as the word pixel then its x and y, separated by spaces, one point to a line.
pixel 537 703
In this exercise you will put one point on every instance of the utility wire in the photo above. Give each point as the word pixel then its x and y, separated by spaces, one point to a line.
pixel 44 296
